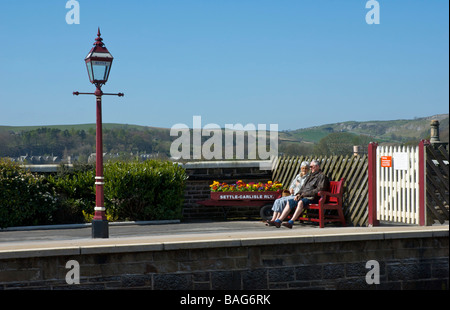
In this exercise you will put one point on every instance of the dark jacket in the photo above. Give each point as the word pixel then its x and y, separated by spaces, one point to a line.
pixel 315 183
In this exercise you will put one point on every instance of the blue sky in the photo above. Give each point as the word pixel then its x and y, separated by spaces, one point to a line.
pixel 295 63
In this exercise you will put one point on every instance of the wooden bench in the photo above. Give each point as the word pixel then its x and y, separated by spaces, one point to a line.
pixel 329 202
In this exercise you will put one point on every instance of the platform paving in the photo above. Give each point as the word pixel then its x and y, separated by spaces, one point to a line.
pixel 136 237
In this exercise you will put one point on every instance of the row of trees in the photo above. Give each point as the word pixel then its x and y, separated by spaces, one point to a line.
pixel 79 144
pixel 336 143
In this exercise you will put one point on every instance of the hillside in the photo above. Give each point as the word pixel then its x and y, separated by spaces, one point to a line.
pixel 125 141
pixel 384 131
pixel 86 127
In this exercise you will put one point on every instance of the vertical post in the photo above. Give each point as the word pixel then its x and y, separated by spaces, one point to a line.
pixel 422 182
pixel 99 222
pixel 372 157
pixel 434 131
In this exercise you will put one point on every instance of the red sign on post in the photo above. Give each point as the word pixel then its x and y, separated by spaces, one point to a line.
pixel 386 161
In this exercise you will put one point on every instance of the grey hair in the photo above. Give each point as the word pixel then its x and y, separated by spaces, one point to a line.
pixel 316 162
pixel 304 163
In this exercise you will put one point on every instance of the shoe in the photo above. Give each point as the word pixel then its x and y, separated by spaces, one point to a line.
pixel 288 225
pixel 277 224
pixel 270 223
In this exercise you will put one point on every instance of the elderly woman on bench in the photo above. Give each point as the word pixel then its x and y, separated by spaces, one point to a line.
pixel 308 194
pixel 294 189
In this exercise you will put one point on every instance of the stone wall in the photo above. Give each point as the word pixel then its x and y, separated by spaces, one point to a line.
pixel 407 260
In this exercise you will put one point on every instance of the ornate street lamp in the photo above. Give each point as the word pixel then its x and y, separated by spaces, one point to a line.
pixel 98 64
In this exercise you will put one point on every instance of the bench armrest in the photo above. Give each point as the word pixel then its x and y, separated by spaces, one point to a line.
pixel 329 194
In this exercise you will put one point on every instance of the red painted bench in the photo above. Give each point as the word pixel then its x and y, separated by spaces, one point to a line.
pixel 329 202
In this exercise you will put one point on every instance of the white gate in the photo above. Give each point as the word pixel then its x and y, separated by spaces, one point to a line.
pixel 397 184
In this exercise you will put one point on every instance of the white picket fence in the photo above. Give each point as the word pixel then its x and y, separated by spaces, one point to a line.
pixel 398 185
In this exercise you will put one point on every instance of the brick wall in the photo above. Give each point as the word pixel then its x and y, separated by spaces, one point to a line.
pixel 202 174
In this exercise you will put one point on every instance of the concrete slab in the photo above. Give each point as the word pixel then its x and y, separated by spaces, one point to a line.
pixel 136 238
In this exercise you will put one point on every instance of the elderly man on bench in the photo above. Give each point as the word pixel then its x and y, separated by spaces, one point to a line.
pixel 308 194
pixel 294 188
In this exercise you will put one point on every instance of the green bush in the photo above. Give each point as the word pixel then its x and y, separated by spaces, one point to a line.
pixel 25 198
pixel 149 190
pixel 75 191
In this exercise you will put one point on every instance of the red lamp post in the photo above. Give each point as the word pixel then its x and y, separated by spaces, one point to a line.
pixel 98 64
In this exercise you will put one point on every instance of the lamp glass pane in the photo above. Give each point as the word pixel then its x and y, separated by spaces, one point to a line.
pixel 100 70
pixel 89 69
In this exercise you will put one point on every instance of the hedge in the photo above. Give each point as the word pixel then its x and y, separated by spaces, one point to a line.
pixel 25 198
pixel 149 190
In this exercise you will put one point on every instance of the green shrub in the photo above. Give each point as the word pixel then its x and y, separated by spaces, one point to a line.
pixel 149 190
pixel 75 191
pixel 25 198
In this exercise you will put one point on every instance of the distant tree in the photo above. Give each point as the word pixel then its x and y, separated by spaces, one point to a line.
pixel 340 143
pixel 295 149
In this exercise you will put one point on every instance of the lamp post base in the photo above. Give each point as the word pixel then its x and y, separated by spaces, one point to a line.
pixel 100 229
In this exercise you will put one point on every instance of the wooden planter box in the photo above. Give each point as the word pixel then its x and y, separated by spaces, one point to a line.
pixel 240 196
pixel 227 200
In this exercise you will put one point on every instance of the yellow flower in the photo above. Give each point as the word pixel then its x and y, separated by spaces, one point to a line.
pixel 215 183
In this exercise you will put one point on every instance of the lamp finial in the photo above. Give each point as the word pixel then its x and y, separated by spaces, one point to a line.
pixel 98 40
